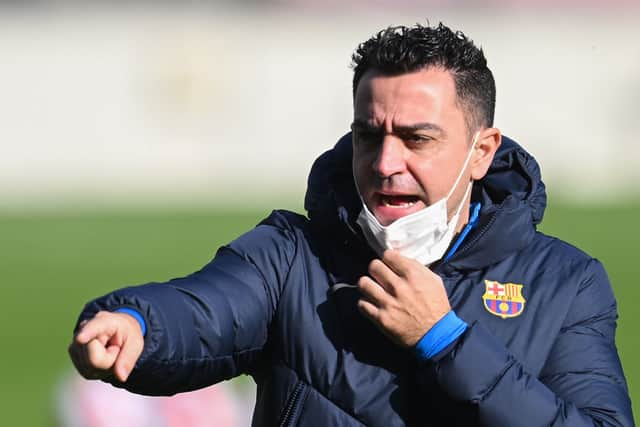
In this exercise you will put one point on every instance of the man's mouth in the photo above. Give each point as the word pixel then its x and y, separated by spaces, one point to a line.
pixel 398 201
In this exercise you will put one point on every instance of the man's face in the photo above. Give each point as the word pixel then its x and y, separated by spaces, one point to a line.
pixel 410 142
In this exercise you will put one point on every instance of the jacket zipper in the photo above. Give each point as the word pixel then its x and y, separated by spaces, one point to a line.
pixel 467 245
pixel 293 404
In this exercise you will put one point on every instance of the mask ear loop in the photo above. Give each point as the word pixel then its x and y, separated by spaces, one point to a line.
pixel 466 193
pixel 474 141
pixel 466 163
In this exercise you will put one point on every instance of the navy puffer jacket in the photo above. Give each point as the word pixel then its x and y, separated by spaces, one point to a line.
pixel 539 349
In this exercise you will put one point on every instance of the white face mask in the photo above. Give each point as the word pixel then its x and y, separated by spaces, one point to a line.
pixel 424 235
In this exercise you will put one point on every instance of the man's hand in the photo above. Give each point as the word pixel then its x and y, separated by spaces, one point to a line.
pixel 109 344
pixel 402 297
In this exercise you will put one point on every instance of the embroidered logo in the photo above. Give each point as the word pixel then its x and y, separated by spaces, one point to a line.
pixel 503 299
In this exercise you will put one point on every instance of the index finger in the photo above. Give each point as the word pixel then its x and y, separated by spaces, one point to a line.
pixel 94 328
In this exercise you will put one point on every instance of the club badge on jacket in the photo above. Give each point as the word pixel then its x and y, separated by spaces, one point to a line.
pixel 503 299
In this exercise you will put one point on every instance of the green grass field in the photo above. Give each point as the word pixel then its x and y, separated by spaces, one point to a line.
pixel 53 263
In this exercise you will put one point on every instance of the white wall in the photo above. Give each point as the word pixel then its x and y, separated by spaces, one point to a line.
pixel 234 106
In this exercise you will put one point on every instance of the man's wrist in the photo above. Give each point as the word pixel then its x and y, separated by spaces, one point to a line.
pixel 440 336
pixel 136 315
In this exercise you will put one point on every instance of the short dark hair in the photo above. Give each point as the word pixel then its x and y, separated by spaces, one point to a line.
pixel 399 50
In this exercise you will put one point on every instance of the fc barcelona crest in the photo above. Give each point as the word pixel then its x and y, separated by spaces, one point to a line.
pixel 503 299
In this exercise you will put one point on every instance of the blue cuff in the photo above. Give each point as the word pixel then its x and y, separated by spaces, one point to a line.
pixel 136 315
pixel 443 333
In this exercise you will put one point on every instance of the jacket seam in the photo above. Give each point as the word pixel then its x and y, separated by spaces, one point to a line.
pixel 285 279
pixel 203 359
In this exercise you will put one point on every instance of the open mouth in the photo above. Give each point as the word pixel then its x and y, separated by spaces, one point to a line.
pixel 398 201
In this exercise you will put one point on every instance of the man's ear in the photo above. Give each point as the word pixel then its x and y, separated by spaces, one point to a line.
pixel 487 144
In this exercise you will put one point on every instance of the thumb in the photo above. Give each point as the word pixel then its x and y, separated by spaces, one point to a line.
pixel 128 356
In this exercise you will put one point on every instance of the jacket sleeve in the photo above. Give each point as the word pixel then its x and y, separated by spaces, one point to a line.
pixel 581 383
pixel 211 325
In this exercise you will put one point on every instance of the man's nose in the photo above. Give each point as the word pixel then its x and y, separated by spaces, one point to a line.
pixel 391 157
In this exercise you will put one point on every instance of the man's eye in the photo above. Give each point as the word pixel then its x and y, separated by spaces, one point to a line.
pixel 417 139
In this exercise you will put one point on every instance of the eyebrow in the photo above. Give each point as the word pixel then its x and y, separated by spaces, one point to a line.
pixel 363 125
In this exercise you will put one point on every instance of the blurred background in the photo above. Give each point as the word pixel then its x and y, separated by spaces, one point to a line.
pixel 136 137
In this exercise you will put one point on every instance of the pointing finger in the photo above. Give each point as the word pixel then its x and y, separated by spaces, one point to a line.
pixel 94 328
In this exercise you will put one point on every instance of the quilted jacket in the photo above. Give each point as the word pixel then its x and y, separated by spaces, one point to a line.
pixel 539 350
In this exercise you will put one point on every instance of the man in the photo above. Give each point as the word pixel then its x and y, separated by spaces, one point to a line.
pixel 418 291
